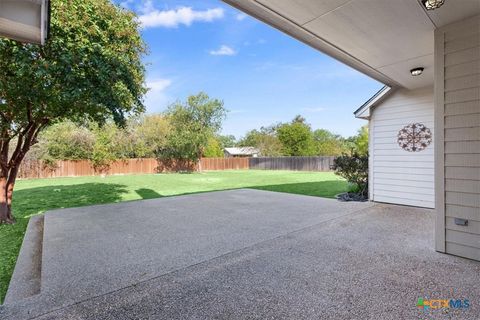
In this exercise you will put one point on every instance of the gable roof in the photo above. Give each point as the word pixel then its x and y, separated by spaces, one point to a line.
pixel 364 111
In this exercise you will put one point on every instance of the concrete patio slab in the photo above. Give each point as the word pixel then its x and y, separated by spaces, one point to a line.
pixel 95 250
pixel 245 255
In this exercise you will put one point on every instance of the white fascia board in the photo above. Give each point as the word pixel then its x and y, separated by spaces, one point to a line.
pixel 364 111
pixel 25 20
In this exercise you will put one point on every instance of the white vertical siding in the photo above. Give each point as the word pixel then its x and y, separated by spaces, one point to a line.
pixel 458 108
pixel 371 143
pixel 398 176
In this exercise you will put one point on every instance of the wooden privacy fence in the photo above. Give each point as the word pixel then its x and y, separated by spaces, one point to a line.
pixel 37 169
pixel 292 163
pixel 224 163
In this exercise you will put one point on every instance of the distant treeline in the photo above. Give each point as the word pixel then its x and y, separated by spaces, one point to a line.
pixel 296 138
pixel 187 131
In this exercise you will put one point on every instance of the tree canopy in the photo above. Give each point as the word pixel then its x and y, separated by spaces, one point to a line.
pixel 193 123
pixel 213 149
pixel 90 67
pixel 296 138
pixel 265 140
pixel 361 140
pixel 328 143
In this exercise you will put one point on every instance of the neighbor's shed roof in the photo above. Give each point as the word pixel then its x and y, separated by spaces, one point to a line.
pixel 242 151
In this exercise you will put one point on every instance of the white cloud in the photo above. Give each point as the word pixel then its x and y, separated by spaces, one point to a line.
pixel 146 7
pixel 158 84
pixel 157 98
pixel 224 50
pixel 241 16
pixel 152 17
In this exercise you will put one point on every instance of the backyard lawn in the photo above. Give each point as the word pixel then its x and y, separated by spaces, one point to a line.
pixel 34 197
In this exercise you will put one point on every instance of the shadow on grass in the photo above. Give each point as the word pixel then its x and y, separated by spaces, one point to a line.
pixel 325 189
pixel 36 200
pixel 33 201
pixel 148 193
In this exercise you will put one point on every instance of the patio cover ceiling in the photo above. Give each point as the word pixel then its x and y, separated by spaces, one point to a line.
pixel 384 39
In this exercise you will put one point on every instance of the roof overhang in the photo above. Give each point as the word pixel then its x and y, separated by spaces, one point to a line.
pixel 364 111
pixel 383 39
pixel 25 20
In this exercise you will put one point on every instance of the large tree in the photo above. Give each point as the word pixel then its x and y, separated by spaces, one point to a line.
pixel 296 138
pixel 90 68
pixel 226 141
pixel 328 143
pixel 193 123
pixel 265 140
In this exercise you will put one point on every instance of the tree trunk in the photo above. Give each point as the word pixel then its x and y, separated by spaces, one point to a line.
pixel 7 184
pixel 12 177
pixel 6 216
pixel 9 168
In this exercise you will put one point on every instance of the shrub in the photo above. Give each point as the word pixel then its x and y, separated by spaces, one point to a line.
pixel 354 168
pixel 213 149
pixel 66 141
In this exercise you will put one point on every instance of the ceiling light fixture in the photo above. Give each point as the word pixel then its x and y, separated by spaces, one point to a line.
pixel 433 4
pixel 416 71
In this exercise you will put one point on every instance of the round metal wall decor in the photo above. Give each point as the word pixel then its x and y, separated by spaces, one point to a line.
pixel 414 138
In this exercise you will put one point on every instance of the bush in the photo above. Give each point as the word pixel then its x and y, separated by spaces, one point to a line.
pixel 354 168
pixel 66 141
pixel 213 149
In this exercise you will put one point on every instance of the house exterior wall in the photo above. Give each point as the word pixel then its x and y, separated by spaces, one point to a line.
pixel 399 176
pixel 457 117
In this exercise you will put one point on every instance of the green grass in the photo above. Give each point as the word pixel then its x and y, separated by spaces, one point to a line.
pixel 32 197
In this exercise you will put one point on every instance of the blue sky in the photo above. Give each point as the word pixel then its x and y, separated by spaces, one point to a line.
pixel 262 75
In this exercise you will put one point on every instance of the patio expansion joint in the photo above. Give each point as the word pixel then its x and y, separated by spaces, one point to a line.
pixel 350 213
